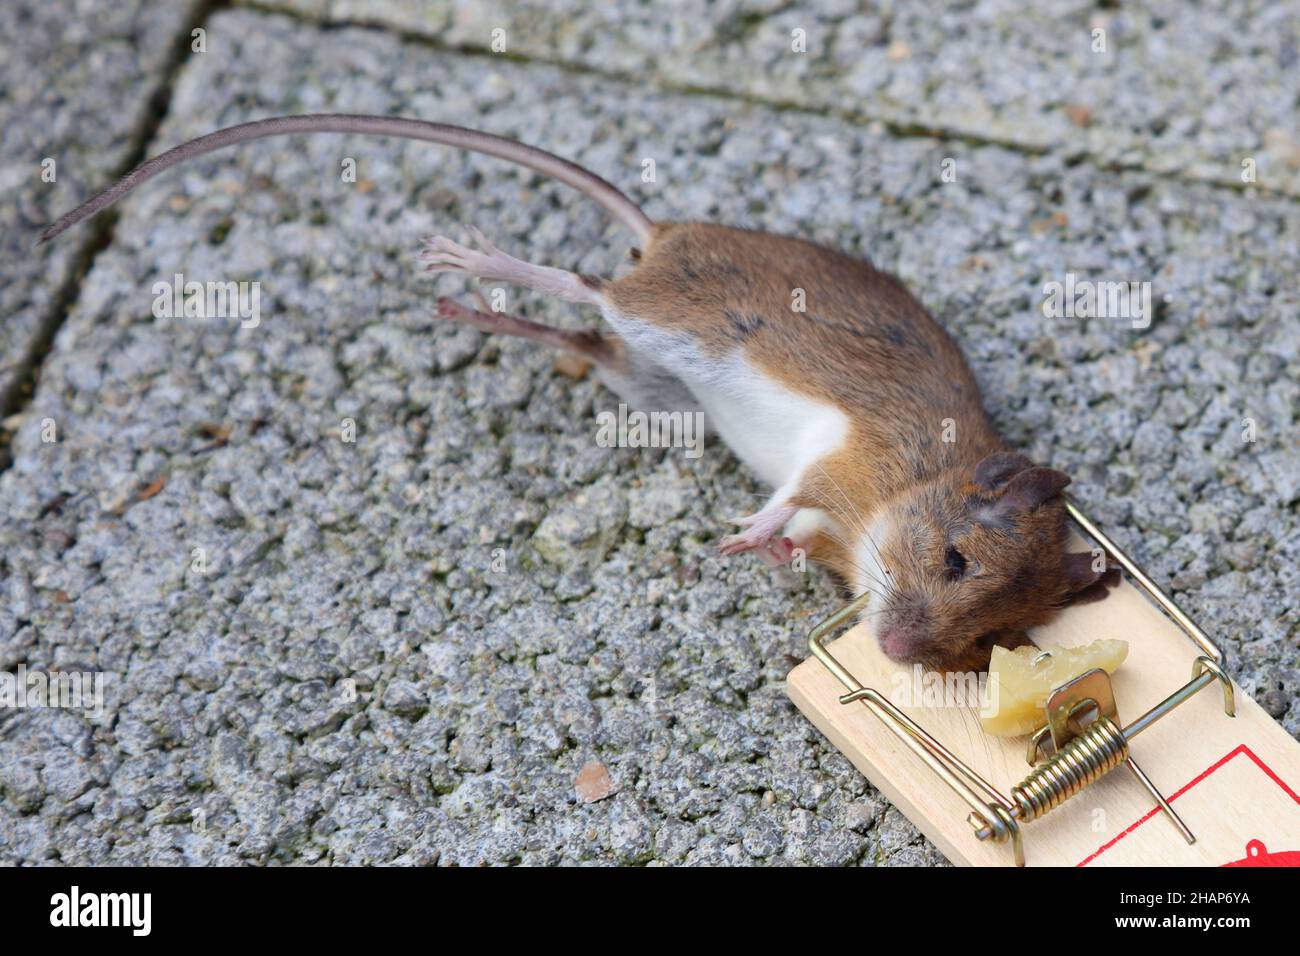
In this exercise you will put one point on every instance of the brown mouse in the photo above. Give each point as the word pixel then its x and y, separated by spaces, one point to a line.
pixel 823 374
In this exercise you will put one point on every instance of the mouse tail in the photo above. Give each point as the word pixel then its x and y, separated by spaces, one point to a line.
pixel 548 164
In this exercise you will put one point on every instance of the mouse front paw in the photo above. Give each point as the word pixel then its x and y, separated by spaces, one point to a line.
pixel 759 531
pixel 740 543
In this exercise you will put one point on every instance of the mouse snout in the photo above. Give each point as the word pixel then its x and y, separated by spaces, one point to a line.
pixel 902 644
pixel 905 637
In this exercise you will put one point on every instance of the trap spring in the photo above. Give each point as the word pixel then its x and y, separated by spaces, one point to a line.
pixel 1084 750
pixel 1086 759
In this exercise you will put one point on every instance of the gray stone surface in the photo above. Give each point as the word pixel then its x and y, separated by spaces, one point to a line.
pixel 77 79
pixel 1185 89
pixel 351 680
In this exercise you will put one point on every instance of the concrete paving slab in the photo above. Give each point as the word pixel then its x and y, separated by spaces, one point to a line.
pixel 1192 92
pixel 405 648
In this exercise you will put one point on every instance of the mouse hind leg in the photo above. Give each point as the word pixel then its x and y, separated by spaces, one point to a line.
pixel 639 380
pixel 487 262
pixel 441 254
pixel 636 375
pixel 601 349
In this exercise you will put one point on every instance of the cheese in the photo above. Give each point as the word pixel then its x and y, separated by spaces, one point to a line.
pixel 1019 687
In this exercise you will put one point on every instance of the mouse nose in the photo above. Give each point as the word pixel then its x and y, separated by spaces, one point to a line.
pixel 901 643
pixel 904 634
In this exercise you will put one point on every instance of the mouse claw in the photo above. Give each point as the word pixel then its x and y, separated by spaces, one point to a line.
pixel 440 254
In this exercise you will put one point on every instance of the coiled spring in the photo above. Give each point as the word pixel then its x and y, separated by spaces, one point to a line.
pixel 1087 758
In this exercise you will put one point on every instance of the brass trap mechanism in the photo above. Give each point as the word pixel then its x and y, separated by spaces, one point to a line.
pixel 1082 738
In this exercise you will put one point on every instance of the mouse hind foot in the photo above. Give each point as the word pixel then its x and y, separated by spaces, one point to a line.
pixel 441 254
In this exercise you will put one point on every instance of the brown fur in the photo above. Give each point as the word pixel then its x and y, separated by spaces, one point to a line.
pixel 863 344
pixel 867 346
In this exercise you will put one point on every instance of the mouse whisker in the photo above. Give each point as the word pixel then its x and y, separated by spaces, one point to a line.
pixel 852 562
pixel 881 587
pixel 847 500
pixel 861 527
pixel 875 546
pixel 841 514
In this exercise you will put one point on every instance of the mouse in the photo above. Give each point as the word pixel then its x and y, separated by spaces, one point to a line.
pixel 824 375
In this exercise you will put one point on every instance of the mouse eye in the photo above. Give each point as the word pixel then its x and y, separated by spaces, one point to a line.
pixel 954 564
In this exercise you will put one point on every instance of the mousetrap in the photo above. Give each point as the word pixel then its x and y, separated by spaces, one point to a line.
pixel 1166 763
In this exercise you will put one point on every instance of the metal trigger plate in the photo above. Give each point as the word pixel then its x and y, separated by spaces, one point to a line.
pixel 1067 702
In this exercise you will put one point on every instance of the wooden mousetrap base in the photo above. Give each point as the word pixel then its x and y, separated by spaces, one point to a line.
pixel 1233 780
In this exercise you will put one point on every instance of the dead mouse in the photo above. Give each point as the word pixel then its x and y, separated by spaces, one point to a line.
pixel 824 375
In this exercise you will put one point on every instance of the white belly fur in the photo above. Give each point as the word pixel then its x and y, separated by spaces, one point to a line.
pixel 773 429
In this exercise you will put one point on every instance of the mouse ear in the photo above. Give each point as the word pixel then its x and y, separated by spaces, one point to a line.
pixel 1088 577
pixel 1029 489
pixel 1023 493
pixel 997 469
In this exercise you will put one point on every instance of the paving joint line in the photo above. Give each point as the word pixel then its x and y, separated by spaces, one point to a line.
pixel 15 399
